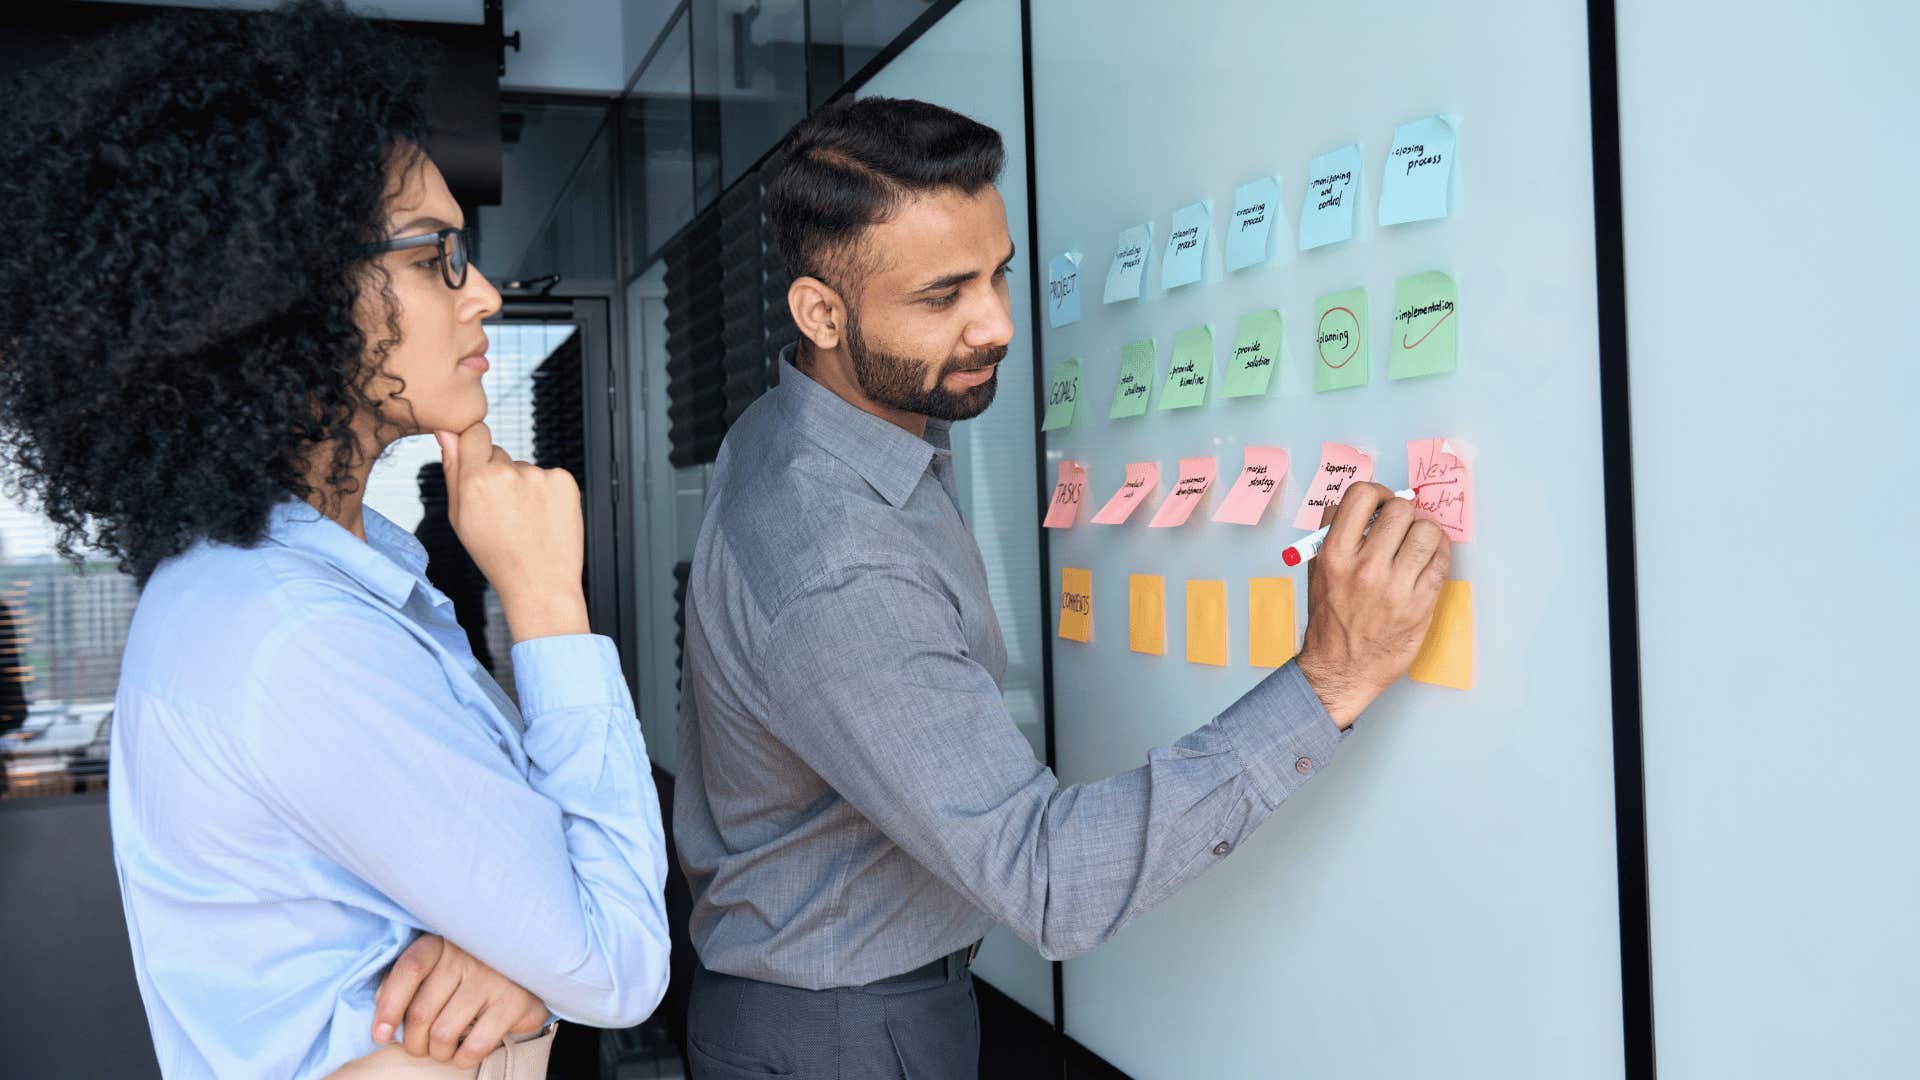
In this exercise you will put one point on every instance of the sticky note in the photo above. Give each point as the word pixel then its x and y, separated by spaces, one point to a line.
pixel 1063 289
pixel 1068 492
pixel 1340 340
pixel 1255 204
pixel 1196 476
pixel 1186 246
pixel 1340 465
pixel 1127 275
pixel 1270 633
pixel 1147 613
pixel 1076 604
pixel 1441 475
pixel 1190 368
pixel 1256 486
pixel 1143 479
pixel 1256 355
pixel 1333 191
pixel 1426 329
pixel 1207 623
pixel 1137 371
pixel 1063 391
pixel 1446 656
pixel 1419 171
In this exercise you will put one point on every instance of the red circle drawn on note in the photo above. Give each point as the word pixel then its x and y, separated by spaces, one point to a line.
pixel 1319 346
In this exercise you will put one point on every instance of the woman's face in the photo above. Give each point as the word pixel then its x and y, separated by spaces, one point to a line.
pixel 442 351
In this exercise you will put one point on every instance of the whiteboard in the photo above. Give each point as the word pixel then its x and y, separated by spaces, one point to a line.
pixel 1442 900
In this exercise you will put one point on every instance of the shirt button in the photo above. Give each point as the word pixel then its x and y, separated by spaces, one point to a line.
pixel 1222 848
pixel 1303 766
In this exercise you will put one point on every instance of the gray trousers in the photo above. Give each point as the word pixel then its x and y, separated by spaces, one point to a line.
pixel 926 1028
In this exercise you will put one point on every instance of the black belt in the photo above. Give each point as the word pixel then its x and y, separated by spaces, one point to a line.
pixel 942 968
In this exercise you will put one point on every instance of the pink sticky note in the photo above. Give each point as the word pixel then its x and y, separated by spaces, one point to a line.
pixel 1258 483
pixel 1196 476
pixel 1067 494
pixel 1340 465
pixel 1143 477
pixel 1441 475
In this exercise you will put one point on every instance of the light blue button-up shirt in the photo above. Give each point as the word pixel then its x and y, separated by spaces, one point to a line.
pixel 309 767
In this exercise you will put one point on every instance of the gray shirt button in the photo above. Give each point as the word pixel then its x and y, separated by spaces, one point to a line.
pixel 1303 766
pixel 1222 848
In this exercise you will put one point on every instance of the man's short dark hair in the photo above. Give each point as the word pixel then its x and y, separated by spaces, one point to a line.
pixel 851 164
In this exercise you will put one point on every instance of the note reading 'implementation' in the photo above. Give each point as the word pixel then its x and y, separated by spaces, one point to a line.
pixel 1191 367
pixel 1270 622
pixel 1196 476
pixel 1256 355
pixel 1063 392
pixel 1076 604
pixel 1333 190
pixel 1340 465
pixel 1063 289
pixel 1207 623
pixel 1441 475
pixel 1426 327
pixel 1419 172
pixel 1255 204
pixel 1068 493
pixel 1186 246
pixel 1147 613
pixel 1143 479
pixel 1258 483
pixel 1127 275
pixel 1138 367
pixel 1446 656
pixel 1340 341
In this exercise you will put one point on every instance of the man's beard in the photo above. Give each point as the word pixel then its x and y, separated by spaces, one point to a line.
pixel 897 381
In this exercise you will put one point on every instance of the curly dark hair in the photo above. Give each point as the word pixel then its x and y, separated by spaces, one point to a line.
pixel 183 207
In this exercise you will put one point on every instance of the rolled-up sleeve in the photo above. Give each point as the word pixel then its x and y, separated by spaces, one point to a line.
pixel 553 878
pixel 869 681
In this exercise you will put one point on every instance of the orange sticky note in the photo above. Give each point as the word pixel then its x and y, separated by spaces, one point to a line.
pixel 1440 473
pixel 1067 494
pixel 1147 613
pixel 1142 478
pixel 1196 476
pixel 1258 483
pixel 1270 633
pixel 1207 623
pixel 1340 465
pixel 1076 604
pixel 1446 657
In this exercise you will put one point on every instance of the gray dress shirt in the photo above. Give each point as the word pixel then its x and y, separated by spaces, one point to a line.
pixel 853 799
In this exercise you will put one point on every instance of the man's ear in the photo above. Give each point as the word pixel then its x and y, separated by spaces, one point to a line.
pixel 818 311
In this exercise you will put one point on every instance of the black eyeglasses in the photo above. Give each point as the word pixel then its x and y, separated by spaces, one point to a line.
pixel 455 251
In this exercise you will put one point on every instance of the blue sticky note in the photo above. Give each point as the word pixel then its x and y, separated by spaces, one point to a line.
pixel 1255 204
pixel 1063 289
pixel 1127 276
pixel 1186 246
pixel 1419 171
pixel 1333 191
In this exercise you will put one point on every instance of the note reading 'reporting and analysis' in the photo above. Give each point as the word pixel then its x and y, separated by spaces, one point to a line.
pixel 1063 393
pixel 1184 260
pixel 1063 289
pixel 1256 204
pixel 1419 179
pixel 1138 367
pixel 1340 465
pixel 1426 326
pixel 1333 190
pixel 1340 341
pixel 1127 275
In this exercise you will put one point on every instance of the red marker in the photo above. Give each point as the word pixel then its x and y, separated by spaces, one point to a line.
pixel 1309 545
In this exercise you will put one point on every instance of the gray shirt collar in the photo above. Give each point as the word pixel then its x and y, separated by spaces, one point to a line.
pixel 886 456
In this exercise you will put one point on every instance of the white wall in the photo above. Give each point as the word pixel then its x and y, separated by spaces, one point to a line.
pixel 1770 162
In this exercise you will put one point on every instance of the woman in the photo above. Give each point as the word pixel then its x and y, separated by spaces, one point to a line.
pixel 231 278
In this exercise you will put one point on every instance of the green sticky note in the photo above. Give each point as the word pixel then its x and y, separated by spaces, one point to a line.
pixel 1137 371
pixel 1063 392
pixel 1192 364
pixel 1256 355
pixel 1426 326
pixel 1340 340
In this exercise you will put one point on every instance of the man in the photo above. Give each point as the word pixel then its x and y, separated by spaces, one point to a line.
pixel 855 808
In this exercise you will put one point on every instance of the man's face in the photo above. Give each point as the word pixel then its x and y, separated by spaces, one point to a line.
pixel 932 319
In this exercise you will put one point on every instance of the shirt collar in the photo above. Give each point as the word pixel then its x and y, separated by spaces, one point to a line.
pixel 389 564
pixel 886 456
